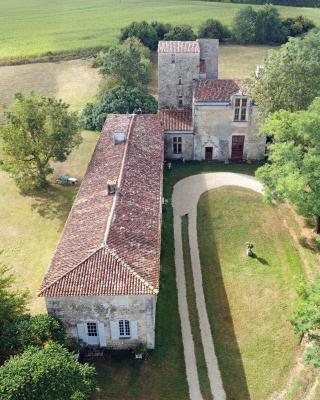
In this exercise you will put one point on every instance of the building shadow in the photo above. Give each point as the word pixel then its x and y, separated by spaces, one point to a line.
pixel 220 317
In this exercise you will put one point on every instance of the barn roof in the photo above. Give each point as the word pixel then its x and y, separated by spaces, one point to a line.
pixel 110 244
pixel 217 90
pixel 176 120
pixel 176 46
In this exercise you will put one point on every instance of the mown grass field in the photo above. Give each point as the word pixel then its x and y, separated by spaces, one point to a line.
pixel 37 27
pixel 249 300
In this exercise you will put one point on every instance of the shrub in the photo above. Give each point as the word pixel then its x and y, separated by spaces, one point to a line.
pixel 213 29
pixel 49 373
pixel 180 32
pixel 31 331
pixel 297 26
pixel 120 101
pixel 143 31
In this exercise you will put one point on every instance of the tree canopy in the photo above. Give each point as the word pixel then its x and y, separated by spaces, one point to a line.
pixel 49 373
pixel 293 169
pixel 37 130
pixel 119 101
pixel 146 33
pixel 126 66
pixel 180 32
pixel 291 76
pixel 213 29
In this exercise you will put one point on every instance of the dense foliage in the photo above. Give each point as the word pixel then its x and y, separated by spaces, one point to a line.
pixel 293 169
pixel 143 31
pixel 49 373
pixel 291 76
pixel 297 26
pixel 213 29
pixel 119 101
pixel 30 330
pixel 13 303
pixel 294 3
pixel 180 32
pixel 37 130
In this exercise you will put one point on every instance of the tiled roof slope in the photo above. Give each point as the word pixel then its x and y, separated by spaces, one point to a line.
pixel 176 120
pixel 111 243
pixel 176 46
pixel 217 90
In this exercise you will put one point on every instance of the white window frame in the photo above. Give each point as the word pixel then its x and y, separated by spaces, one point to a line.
pixel 238 115
pixel 125 328
pixel 177 145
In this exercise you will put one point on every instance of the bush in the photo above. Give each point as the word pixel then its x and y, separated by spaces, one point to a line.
pixel 143 31
pixel 213 29
pixel 49 373
pixel 180 32
pixel 119 101
pixel 161 29
pixel 244 26
pixel 31 331
pixel 297 26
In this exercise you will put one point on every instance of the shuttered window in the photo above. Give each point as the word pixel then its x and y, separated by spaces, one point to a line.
pixel 124 328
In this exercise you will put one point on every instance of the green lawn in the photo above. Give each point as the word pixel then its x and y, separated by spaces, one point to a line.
pixel 36 27
pixel 249 300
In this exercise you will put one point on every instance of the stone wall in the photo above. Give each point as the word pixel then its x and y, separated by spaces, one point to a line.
pixel 186 67
pixel 108 310
pixel 209 52
pixel 187 146
pixel 214 127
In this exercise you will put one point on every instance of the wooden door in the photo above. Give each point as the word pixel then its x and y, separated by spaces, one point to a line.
pixel 237 147
pixel 208 153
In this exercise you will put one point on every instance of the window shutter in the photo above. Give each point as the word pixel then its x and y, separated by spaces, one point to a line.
pixel 134 330
pixel 102 335
pixel 114 330
pixel 82 334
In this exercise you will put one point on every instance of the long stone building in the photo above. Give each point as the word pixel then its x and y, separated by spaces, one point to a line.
pixel 204 118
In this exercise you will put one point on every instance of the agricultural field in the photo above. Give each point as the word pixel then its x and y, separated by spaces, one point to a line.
pixel 43 27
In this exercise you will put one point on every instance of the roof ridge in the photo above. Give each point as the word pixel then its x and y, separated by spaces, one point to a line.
pixel 117 258
pixel 119 180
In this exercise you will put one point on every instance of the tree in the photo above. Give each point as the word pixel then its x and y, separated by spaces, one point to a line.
pixel 297 26
pixel 136 43
pixel 293 171
pixel 269 26
pixel 291 76
pixel 121 101
pixel 143 31
pixel 37 130
pixel 13 303
pixel 126 66
pixel 49 373
pixel 213 29
pixel 30 330
pixel 245 25
pixel 180 32
pixel 161 28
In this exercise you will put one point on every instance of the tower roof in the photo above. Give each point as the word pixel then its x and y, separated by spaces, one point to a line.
pixel 171 46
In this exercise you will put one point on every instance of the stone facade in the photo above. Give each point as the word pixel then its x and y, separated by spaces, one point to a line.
pixel 187 140
pixel 106 312
pixel 209 53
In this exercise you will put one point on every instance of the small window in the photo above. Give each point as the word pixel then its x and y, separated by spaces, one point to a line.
pixel 240 109
pixel 173 58
pixel 180 101
pixel 180 81
pixel 112 188
pixel 124 328
pixel 177 145
pixel 92 329
pixel 119 137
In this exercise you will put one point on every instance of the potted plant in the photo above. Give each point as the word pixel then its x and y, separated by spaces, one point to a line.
pixel 140 351
pixel 249 249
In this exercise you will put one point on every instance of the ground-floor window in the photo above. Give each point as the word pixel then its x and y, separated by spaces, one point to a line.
pixel 177 145
pixel 124 328
pixel 92 329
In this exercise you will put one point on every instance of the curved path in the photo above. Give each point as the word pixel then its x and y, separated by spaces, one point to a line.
pixel 186 194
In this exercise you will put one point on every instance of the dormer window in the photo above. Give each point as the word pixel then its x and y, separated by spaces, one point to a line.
pixel 119 137
pixel 112 187
pixel 173 58
pixel 240 109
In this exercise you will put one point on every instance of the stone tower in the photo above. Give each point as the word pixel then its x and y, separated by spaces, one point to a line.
pixel 179 64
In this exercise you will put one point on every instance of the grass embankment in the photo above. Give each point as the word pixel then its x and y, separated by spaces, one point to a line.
pixel 193 314
pixel 44 28
pixel 249 300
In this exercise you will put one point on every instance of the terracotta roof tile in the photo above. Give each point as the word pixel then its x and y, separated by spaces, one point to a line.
pixel 111 243
pixel 168 46
pixel 217 90
pixel 176 120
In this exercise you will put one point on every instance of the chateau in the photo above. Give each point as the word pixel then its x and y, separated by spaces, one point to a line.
pixel 103 280
pixel 204 118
